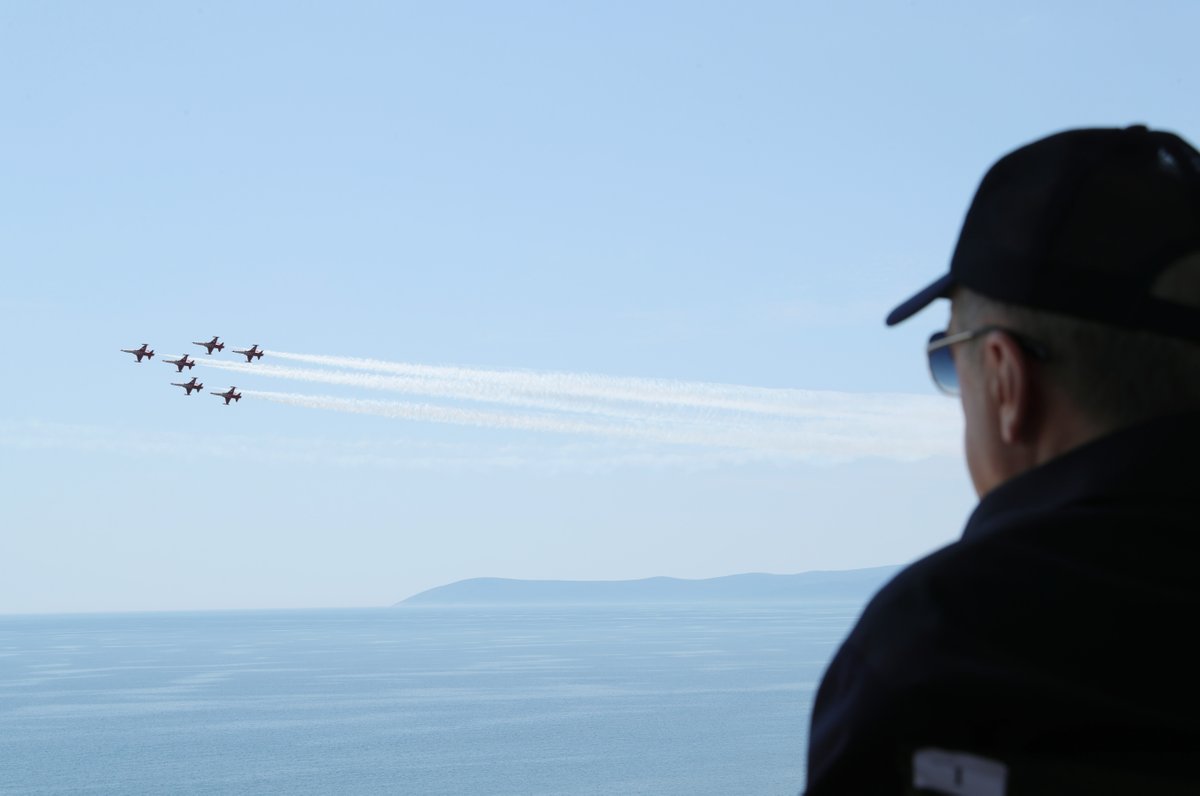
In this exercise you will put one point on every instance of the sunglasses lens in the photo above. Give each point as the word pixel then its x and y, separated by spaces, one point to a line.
pixel 941 367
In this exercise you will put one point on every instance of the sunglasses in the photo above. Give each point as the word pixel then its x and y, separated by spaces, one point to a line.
pixel 941 358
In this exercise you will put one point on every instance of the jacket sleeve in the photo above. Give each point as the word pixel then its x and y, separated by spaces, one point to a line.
pixel 853 743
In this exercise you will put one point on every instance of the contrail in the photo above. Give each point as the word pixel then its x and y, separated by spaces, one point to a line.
pixel 825 441
pixel 444 414
pixel 434 387
pixel 603 395
pixel 663 392
pixel 787 422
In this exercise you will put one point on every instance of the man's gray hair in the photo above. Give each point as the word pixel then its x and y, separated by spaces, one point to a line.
pixel 1115 376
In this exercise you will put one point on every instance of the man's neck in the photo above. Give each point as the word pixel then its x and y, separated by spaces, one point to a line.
pixel 1065 427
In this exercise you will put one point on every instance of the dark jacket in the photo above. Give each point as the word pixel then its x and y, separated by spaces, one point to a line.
pixel 1054 639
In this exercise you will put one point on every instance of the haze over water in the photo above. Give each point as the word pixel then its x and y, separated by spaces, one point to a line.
pixel 670 699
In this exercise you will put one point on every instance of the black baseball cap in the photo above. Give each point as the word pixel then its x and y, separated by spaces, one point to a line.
pixel 1100 223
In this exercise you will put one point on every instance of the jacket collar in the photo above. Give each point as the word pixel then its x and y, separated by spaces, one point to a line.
pixel 1153 459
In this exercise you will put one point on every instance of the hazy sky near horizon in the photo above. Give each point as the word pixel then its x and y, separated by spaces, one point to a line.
pixel 548 290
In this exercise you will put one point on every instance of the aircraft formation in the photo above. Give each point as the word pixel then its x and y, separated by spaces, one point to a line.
pixel 251 353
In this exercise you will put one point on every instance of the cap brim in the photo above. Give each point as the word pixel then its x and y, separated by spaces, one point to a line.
pixel 939 289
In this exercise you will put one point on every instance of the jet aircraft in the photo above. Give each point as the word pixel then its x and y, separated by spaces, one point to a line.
pixel 181 363
pixel 229 395
pixel 251 352
pixel 211 344
pixel 190 385
pixel 140 352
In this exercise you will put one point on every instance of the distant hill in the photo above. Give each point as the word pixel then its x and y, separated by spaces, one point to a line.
pixel 751 587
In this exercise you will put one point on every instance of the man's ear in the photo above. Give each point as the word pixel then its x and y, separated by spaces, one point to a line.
pixel 1010 386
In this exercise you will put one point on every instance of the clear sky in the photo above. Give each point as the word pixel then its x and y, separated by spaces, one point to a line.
pixel 620 271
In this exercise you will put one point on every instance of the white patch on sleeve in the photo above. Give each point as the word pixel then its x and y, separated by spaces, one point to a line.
pixel 958 773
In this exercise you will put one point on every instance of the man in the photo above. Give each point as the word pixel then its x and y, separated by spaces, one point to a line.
pixel 1049 650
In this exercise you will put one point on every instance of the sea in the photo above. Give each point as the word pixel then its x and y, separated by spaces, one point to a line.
pixel 695 698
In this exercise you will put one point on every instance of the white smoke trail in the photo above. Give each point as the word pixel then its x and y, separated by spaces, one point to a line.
pixel 789 423
pixel 658 392
pixel 652 399
pixel 812 440
pixel 443 414
pixel 464 389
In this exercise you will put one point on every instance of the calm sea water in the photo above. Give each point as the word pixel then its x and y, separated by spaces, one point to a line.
pixel 696 699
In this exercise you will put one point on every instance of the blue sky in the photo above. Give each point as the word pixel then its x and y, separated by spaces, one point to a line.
pixel 558 225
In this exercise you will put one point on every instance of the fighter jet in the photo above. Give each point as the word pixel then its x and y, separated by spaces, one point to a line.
pixel 139 352
pixel 251 352
pixel 181 363
pixel 190 385
pixel 229 395
pixel 211 344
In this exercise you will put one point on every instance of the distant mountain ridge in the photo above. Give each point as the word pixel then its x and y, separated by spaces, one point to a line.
pixel 749 587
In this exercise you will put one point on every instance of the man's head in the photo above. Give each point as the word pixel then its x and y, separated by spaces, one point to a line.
pixel 1080 257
